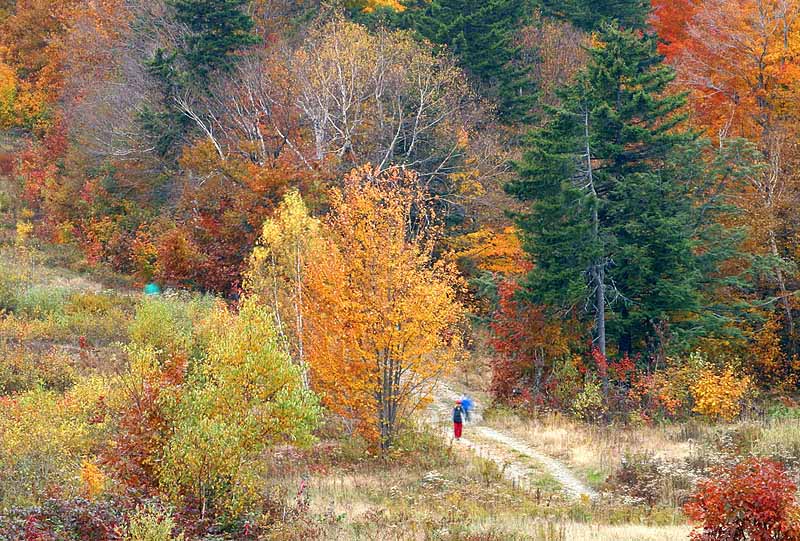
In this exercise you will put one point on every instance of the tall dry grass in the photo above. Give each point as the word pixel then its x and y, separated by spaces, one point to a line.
pixel 597 451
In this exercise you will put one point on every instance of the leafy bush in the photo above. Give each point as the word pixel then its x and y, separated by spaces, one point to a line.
pixel 150 523
pixel 588 405
pixel 422 448
pixel 782 411
pixel 166 323
pixel 42 301
pixel 12 282
pixel 44 439
pixel 753 500
pixel 22 370
pixel 99 317
pixel 247 396
pixel 65 519
pixel 720 395
pixel 665 394
pixel 142 425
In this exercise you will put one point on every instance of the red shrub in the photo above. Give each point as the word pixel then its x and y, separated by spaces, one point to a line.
pixel 753 500
pixel 133 456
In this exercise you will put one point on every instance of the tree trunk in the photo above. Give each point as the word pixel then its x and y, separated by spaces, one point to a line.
pixel 600 317
pixel 787 307
pixel 598 272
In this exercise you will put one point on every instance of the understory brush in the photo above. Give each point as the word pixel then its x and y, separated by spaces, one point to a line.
pixel 23 369
pixel 45 440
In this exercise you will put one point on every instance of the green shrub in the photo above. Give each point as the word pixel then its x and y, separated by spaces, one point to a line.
pixel 781 411
pixel 167 323
pixel 151 524
pixel 12 283
pixel 421 447
pixel 245 397
pixel 42 301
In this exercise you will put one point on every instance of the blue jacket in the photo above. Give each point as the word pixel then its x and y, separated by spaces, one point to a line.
pixel 458 414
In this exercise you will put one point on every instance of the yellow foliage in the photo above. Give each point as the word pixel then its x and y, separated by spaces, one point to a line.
pixel 719 395
pixel 52 435
pixel 20 106
pixel 24 230
pixel 768 357
pixel 8 95
pixel 383 319
pixel 245 396
pixel 276 269
pixel 494 251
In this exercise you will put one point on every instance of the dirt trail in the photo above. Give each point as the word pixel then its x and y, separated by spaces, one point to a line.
pixel 507 452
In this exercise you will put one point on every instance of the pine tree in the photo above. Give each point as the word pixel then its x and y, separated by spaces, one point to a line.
pixel 611 224
pixel 216 31
pixel 482 35
pixel 590 14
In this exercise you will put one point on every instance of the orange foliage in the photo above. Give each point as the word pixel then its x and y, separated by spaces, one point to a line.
pixel 32 36
pixel 495 252
pixel 755 499
pixel 527 344
pixel 671 19
pixel 768 359
pixel 382 317
pixel 219 217
pixel 372 5
pixel 740 59
pixel 20 105
pixel 92 479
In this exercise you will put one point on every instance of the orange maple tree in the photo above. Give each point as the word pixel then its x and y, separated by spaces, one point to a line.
pixel 671 20
pixel 382 317
pixel 739 59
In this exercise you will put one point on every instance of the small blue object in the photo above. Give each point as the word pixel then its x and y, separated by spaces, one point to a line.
pixel 466 405
pixel 152 289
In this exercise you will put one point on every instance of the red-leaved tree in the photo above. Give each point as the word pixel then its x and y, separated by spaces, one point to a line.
pixel 526 344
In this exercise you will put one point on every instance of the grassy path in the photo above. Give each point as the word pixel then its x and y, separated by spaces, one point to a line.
pixel 520 463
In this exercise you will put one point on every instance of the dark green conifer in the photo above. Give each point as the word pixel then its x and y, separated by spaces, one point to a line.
pixel 590 14
pixel 216 31
pixel 612 228
pixel 483 34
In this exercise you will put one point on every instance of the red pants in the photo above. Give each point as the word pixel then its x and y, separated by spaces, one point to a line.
pixel 457 429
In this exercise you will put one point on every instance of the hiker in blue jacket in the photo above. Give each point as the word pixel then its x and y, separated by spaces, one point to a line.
pixel 466 404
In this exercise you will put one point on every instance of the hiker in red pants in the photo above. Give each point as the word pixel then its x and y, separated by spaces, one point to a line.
pixel 458 419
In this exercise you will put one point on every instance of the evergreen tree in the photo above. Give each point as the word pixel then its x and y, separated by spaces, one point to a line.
pixel 590 14
pixel 482 34
pixel 216 31
pixel 611 227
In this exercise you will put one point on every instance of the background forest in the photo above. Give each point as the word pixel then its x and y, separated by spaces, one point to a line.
pixel 582 212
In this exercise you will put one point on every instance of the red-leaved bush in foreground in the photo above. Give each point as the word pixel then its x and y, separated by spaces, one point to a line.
pixel 753 500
